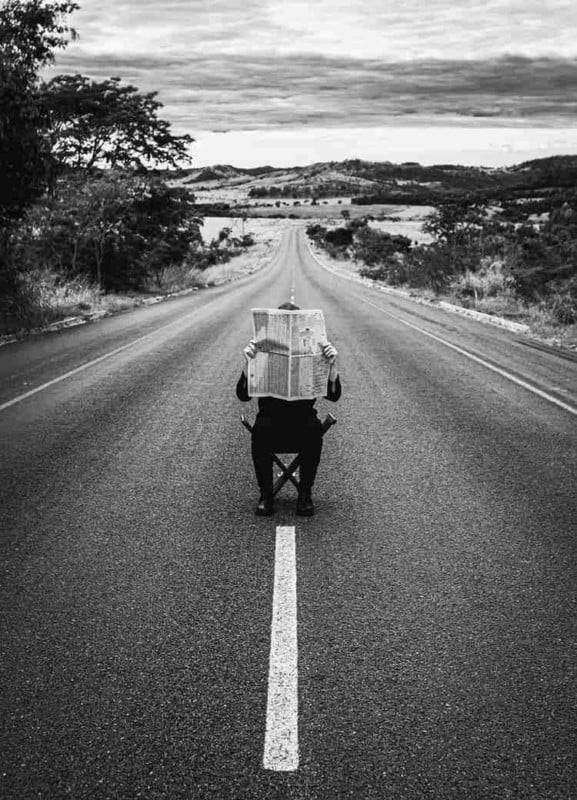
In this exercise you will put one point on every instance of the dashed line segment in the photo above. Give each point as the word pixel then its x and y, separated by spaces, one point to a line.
pixel 281 749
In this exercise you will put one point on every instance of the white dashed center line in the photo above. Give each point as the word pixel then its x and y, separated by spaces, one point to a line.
pixel 281 750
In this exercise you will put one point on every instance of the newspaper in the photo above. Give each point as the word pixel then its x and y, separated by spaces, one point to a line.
pixel 289 363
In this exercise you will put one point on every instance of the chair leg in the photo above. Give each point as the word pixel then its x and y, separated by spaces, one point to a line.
pixel 287 473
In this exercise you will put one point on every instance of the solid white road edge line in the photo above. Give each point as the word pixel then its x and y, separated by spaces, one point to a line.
pixel 281 750
pixel 95 361
pixel 72 372
pixel 478 360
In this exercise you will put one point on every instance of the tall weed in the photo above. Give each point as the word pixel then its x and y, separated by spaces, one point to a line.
pixel 44 296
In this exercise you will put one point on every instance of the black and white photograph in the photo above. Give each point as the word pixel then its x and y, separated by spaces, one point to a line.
pixel 288 400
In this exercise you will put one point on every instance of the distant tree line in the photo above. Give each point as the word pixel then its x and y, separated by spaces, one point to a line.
pixel 304 190
pixel 415 196
pixel 543 197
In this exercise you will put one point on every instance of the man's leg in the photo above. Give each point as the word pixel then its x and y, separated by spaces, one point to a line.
pixel 310 447
pixel 262 451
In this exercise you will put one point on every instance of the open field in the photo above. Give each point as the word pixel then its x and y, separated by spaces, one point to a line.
pixel 267 235
pixel 260 228
pixel 237 197
pixel 412 228
pixel 409 222
pixel 330 211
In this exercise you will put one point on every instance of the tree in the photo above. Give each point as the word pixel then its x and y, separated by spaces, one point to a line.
pixel 339 237
pixel 164 219
pixel 23 154
pixel 30 31
pixel 374 247
pixel 118 230
pixel 317 233
pixel 461 227
pixel 456 223
pixel 110 124
pixel 71 234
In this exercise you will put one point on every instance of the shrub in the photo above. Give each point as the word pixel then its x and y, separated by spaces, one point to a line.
pixel 339 237
pixel 393 271
pixel 429 267
pixel 378 273
pixel 564 309
pixel 377 247
pixel 489 281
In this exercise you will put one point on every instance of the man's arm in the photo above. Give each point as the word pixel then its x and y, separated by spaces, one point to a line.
pixel 334 388
pixel 242 388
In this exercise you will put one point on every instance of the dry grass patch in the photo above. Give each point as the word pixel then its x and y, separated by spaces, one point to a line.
pixel 545 327
pixel 266 233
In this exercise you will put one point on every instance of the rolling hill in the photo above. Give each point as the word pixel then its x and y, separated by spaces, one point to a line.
pixel 370 181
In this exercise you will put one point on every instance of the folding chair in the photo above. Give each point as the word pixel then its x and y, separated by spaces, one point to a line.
pixel 288 470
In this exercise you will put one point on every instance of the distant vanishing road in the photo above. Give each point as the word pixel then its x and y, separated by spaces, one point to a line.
pixel 436 602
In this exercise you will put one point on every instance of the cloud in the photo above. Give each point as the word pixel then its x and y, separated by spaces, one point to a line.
pixel 337 72
pixel 244 92
pixel 266 65
pixel 417 29
pixel 413 29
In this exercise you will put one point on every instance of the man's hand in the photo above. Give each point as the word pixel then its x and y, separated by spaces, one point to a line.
pixel 250 350
pixel 330 353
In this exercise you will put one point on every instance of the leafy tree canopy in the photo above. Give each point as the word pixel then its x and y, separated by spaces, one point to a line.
pixel 454 222
pixel 29 33
pixel 108 123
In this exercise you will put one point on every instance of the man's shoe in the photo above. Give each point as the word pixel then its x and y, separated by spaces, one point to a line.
pixel 305 507
pixel 264 507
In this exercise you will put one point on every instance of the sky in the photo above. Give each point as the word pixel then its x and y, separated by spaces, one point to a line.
pixel 293 82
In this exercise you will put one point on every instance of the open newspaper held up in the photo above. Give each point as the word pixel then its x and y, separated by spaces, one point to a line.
pixel 289 362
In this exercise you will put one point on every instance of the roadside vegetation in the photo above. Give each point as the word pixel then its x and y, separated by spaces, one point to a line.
pixel 87 222
pixel 515 259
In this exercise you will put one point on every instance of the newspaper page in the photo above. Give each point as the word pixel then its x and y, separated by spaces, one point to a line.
pixel 289 363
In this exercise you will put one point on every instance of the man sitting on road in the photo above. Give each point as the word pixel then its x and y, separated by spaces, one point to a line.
pixel 288 426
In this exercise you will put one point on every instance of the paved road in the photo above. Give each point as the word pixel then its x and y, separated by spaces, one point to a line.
pixel 437 611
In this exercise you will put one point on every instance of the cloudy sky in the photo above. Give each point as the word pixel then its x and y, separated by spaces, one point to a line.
pixel 296 81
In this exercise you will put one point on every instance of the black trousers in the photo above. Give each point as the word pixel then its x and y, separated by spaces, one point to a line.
pixel 276 435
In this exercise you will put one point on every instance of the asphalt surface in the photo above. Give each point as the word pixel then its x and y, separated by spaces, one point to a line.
pixel 437 604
